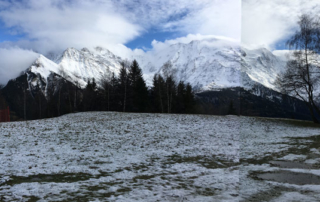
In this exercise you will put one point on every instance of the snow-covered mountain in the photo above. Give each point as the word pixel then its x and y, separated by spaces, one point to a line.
pixel 221 72
pixel 214 64
pixel 261 66
pixel 76 66
pixel 81 65
pixel 208 64
pixel 205 64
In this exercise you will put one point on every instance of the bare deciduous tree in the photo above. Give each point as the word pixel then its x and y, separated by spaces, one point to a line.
pixel 301 76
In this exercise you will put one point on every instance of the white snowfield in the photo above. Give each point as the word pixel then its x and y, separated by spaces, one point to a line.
pixel 78 66
pixel 206 64
pixel 108 156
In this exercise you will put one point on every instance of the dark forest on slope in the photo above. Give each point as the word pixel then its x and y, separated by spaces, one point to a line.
pixel 129 93
pixel 126 93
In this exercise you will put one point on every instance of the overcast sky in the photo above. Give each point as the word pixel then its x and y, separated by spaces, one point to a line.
pixel 44 26
pixel 269 23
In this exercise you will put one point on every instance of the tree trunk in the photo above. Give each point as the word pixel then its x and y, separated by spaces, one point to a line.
pixel 40 106
pixel 125 96
pixel 69 96
pixel 160 96
pixel 168 99
pixel 108 99
pixel 316 108
pixel 25 103
pixel 314 119
pixel 59 102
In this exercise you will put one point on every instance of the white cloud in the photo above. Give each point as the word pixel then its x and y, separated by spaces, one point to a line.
pixel 160 50
pixel 13 61
pixel 58 24
pixel 55 24
pixel 125 52
pixel 158 46
pixel 218 17
pixel 265 22
pixel 215 41
pixel 206 17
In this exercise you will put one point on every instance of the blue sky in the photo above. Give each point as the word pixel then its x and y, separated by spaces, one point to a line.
pixel 53 25
pixel 5 34
pixel 144 41
pixel 126 27
pixel 281 45
pixel 141 42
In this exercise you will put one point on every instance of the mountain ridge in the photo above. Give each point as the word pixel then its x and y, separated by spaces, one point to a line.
pixel 209 64
pixel 245 75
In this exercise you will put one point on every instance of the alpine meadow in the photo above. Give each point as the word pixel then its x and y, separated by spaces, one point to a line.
pixel 155 100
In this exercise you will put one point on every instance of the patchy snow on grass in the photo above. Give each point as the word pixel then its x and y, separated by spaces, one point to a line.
pixel 263 141
pixel 120 157
pixel 295 196
pixel 294 157
pixel 108 156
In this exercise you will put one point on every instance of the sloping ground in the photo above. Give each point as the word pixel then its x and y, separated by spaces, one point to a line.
pixel 280 160
pixel 123 157
pixel 268 104
pixel 102 156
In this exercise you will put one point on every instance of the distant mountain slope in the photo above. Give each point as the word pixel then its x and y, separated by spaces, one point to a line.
pixel 79 66
pixel 208 64
pixel 215 64
pixel 211 65
pixel 261 66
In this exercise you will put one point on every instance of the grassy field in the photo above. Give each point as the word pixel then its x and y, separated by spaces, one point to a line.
pixel 106 156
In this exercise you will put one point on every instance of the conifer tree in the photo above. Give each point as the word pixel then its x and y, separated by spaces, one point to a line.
pixel 2 100
pixel 106 88
pixel 123 85
pixel 181 96
pixel 90 95
pixel 231 109
pixel 170 92
pixel 158 93
pixel 135 73
pixel 114 93
pixel 138 95
pixel 141 97
pixel 189 99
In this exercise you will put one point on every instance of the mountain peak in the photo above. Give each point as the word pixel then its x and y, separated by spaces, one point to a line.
pixel 208 63
pixel 100 49
pixel 85 50
pixel 43 66
pixel 70 49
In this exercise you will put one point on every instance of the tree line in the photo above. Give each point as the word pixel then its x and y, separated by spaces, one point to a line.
pixel 128 92
pixel 125 92
pixel 3 103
